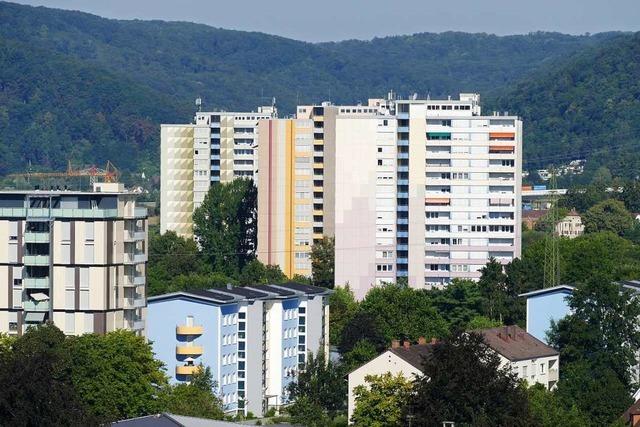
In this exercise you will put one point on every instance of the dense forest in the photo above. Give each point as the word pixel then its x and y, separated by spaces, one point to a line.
pixel 80 87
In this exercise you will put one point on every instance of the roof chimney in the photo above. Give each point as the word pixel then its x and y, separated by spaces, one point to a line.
pixel 229 286
pixel 406 344
pixel 395 343
pixel 422 340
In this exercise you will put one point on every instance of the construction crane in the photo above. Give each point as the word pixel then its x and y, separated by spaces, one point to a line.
pixel 109 174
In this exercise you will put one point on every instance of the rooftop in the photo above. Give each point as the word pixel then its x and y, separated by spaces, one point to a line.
pixel 514 343
pixel 413 354
pixel 240 293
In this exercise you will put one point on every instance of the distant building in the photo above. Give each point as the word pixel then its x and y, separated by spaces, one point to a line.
pixel 529 358
pixel 552 304
pixel 253 338
pixel 77 258
pixel 531 217
pixel 218 147
pixel 544 306
pixel 571 225
pixel 405 359
pixel 631 416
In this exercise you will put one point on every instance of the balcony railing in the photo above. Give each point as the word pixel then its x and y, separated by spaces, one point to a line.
pixel 36 260
pixel 36 237
pixel 186 370
pixel 35 305
pixel 189 350
pixel 36 282
pixel 189 330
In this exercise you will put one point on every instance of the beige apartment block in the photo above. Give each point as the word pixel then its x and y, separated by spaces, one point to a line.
pixel 75 258
pixel 218 147
pixel 285 194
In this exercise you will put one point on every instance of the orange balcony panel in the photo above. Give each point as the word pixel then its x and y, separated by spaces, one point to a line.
pixel 501 149
pixel 504 136
pixel 189 350
pixel 189 330
pixel 186 370
pixel 437 200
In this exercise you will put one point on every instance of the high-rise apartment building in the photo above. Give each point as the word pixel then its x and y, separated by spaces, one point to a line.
pixel 253 338
pixel 286 214
pixel 218 147
pixel 426 190
pixel 75 258
pixel 458 189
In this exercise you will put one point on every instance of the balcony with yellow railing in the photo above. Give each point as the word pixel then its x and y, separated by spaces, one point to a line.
pixel 187 370
pixel 189 350
pixel 189 330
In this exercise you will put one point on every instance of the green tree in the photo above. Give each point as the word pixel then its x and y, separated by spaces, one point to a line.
pixel 464 383
pixel 255 272
pixel 610 215
pixel 306 411
pixel 459 302
pixel 116 375
pixel 322 385
pixel 602 328
pixel 196 398
pixel 403 313
pixel 597 345
pixel 225 225
pixel 380 403
pixel 547 410
pixel 482 322
pixel 342 308
pixel 363 326
pixel 36 382
pixel 631 195
pixel 171 256
pixel 360 353
pixel 323 263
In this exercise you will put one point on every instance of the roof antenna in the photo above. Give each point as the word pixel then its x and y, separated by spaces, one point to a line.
pixel 199 104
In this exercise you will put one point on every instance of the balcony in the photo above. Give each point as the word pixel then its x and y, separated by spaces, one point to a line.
pixel 186 370
pixel 134 235
pixel 189 330
pixel 136 258
pixel 189 350
pixel 403 129
pixel 132 303
pixel 36 260
pixel 35 305
pixel 36 282
pixel 36 237
pixel 138 325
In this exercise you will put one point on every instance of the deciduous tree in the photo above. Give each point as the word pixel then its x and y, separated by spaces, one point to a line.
pixel 323 263
pixel 381 401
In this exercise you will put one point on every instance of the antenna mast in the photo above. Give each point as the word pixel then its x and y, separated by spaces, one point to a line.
pixel 551 250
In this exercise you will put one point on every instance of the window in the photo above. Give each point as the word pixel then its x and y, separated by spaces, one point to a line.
pixel 542 368
pixel 524 372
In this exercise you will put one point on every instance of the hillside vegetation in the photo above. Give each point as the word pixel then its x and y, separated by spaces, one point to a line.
pixel 77 86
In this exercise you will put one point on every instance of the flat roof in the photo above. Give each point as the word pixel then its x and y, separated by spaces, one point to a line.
pixel 301 287
pixel 273 289
pixel 548 291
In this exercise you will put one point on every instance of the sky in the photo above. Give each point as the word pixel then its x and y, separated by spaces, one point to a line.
pixel 332 20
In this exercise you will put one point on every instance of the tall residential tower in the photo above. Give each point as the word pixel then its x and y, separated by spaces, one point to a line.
pixel 218 147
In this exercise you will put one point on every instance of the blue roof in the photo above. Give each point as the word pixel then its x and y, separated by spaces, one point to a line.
pixel 553 290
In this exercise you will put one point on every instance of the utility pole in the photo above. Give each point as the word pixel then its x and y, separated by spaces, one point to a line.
pixel 551 250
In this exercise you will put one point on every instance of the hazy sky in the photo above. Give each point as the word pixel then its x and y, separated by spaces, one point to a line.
pixel 324 20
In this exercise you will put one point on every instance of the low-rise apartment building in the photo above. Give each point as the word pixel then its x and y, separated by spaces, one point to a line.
pixel 75 258
pixel 571 225
pixel 253 338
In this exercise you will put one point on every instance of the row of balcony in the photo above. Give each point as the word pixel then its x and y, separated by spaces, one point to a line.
pixel 70 213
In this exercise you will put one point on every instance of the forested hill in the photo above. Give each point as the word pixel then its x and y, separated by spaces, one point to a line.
pixel 589 107
pixel 77 86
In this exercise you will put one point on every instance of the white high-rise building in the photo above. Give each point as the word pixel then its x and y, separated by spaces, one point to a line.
pixel 219 147
pixel 427 190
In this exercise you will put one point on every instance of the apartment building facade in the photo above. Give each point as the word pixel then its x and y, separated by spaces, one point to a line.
pixel 287 211
pixel 253 338
pixel 427 190
pixel 217 147
pixel 75 258
pixel 458 189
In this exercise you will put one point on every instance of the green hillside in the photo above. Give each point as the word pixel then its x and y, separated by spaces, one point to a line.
pixel 589 108
pixel 77 86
